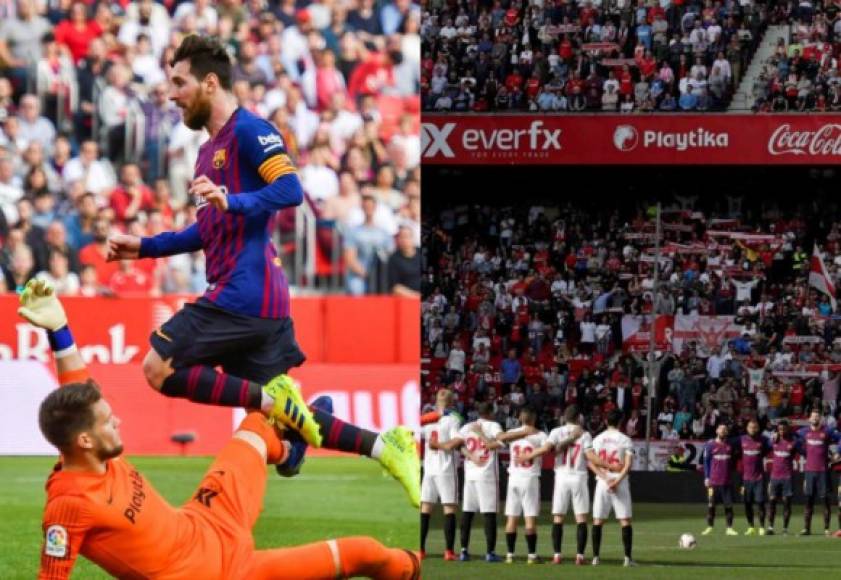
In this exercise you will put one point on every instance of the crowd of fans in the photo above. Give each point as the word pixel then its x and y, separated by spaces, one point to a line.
pixel 571 55
pixel 802 75
pixel 90 143
pixel 524 305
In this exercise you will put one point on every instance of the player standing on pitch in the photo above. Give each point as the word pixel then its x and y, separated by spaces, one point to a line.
pixel 523 495
pixel 613 490
pixel 440 478
pixel 481 479
pixel 753 448
pixel 718 466
pixel 242 323
pixel 782 469
pixel 816 440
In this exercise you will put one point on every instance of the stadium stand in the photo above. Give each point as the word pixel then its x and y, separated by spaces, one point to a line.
pixel 91 144
pixel 617 56
pixel 551 303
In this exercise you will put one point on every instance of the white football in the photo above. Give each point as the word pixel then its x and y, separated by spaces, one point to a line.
pixel 687 542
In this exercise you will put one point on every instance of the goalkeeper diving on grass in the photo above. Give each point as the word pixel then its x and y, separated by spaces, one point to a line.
pixel 98 505
pixel 242 323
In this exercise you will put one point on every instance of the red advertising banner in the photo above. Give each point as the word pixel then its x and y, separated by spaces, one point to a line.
pixel 374 330
pixel 376 397
pixel 631 140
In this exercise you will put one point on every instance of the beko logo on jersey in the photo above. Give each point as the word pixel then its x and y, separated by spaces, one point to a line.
pixel 271 141
pixel 534 141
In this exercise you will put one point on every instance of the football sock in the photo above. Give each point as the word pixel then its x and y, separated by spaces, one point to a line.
pixel 772 512
pixel 749 512
pixel 762 514
pixel 807 512
pixel 582 538
pixel 786 511
pixel 597 540
pixel 728 511
pixel 257 423
pixel 511 541
pixel 336 434
pixel 490 532
pixel 466 523
pixel 343 557
pixel 424 531
pixel 531 542
pixel 450 530
pixel 627 540
pixel 557 537
pixel 710 515
pixel 839 516
pixel 203 384
pixel 827 512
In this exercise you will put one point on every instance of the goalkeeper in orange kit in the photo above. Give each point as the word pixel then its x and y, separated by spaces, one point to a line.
pixel 100 506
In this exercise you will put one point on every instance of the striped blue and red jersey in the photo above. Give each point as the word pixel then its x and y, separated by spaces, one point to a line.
pixel 244 274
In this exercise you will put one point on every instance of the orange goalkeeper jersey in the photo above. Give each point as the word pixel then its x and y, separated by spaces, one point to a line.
pixel 120 522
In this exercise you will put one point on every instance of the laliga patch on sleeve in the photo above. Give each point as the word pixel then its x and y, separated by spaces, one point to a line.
pixel 56 542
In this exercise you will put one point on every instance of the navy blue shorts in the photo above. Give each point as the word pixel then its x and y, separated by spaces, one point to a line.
pixel 753 491
pixel 251 348
pixel 815 484
pixel 720 494
pixel 780 488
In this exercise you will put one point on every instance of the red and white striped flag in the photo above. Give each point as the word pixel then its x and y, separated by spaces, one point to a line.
pixel 819 278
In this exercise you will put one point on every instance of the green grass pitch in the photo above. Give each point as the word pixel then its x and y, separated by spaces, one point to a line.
pixel 333 496
pixel 657 528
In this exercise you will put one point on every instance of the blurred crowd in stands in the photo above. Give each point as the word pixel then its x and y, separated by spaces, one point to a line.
pixel 90 143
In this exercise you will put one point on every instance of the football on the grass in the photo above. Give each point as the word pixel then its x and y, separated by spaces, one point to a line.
pixel 687 542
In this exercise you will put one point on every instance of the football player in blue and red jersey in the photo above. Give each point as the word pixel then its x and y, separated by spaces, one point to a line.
pixel 242 322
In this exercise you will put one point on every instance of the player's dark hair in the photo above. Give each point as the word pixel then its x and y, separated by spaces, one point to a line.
pixel 614 418
pixel 485 409
pixel 206 55
pixel 529 412
pixel 783 422
pixel 571 414
pixel 68 411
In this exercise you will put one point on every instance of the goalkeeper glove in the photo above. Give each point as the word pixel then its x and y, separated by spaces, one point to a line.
pixel 41 307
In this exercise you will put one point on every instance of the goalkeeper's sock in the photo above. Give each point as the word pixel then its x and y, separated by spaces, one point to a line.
pixel 203 384
pixel 256 423
pixel 340 558
pixel 336 434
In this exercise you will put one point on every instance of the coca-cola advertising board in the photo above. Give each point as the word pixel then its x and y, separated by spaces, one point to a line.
pixel 632 140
